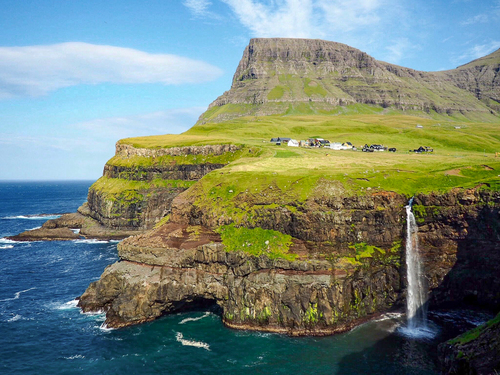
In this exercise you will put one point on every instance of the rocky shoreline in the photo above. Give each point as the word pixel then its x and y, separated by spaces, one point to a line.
pixel 72 226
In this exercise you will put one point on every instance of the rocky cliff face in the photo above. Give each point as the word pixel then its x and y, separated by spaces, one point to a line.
pixel 279 75
pixel 330 286
pixel 178 266
pixel 480 77
pixel 139 184
pixel 474 352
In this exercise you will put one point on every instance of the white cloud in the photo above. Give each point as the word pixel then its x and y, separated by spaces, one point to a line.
pixel 478 51
pixel 305 18
pixel 399 49
pixel 38 70
pixel 173 121
pixel 55 142
pixel 480 18
pixel 282 18
pixel 200 9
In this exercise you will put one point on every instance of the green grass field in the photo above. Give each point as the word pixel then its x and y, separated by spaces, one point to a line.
pixel 464 152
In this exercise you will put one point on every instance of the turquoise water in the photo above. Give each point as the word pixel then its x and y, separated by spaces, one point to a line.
pixel 42 331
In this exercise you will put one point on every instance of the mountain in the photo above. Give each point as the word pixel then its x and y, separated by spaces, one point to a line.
pixel 480 77
pixel 303 76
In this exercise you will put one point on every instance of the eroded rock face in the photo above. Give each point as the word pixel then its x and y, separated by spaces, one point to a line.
pixel 475 352
pixel 142 211
pixel 183 264
pixel 139 210
pixel 127 150
pixel 294 297
pixel 176 172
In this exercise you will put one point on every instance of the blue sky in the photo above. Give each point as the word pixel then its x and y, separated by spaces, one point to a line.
pixel 76 76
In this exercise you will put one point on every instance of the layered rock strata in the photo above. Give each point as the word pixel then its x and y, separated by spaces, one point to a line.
pixel 139 184
pixel 330 287
pixel 295 297
pixel 279 75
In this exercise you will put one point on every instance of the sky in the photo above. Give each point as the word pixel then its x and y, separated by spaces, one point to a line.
pixel 78 75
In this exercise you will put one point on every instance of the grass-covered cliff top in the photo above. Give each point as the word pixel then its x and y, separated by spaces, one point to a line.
pixel 464 153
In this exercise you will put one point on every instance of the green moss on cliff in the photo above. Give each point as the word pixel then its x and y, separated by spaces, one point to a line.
pixel 361 252
pixel 111 187
pixel 474 333
pixel 276 93
pixel 256 241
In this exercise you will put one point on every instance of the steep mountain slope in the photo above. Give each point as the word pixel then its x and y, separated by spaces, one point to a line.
pixel 481 77
pixel 302 76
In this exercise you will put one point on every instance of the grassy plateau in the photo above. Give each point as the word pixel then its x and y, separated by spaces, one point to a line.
pixel 464 153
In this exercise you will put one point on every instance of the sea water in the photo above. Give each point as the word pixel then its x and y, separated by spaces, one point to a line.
pixel 43 332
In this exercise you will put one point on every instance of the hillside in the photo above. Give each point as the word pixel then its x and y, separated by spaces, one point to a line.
pixel 480 77
pixel 301 76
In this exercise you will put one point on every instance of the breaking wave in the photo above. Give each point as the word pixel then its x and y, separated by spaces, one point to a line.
pixel 77 356
pixel 6 240
pixel 73 304
pixel 93 241
pixel 198 344
pixel 33 217
pixel 184 321
pixel 15 318
pixel 16 295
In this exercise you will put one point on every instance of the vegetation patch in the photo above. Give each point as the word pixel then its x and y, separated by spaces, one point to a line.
pixel 475 333
pixel 138 162
pixel 360 252
pixel 253 169
pixel 118 186
pixel 256 241
pixel 313 88
pixel 276 93
pixel 286 154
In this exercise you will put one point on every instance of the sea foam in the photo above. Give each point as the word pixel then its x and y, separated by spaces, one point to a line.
pixel 16 295
pixel 6 240
pixel 184 321
pixel 198 344
pixel 92 241
pixel 73 304
pixel 15 318
pixel 33 217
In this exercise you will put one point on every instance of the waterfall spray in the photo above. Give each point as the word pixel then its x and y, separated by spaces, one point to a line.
pixel 416 309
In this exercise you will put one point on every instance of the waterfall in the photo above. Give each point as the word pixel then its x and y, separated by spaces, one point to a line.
pixel 416 308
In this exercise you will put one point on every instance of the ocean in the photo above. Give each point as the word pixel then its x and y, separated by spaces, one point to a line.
pixel 43 332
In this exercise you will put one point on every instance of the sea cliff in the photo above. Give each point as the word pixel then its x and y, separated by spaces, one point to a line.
pixel 306 240
pixel 351 271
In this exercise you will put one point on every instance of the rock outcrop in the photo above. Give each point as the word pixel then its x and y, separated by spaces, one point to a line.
pixel 474 352
pixel 135 192
pixel 139 184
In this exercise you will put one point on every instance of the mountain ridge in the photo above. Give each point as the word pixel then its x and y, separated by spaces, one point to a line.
pixel 279 75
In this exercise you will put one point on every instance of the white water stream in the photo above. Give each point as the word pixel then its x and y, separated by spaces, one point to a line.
pixel 416 299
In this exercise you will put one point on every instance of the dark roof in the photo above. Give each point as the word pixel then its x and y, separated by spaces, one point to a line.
pixel 280 139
